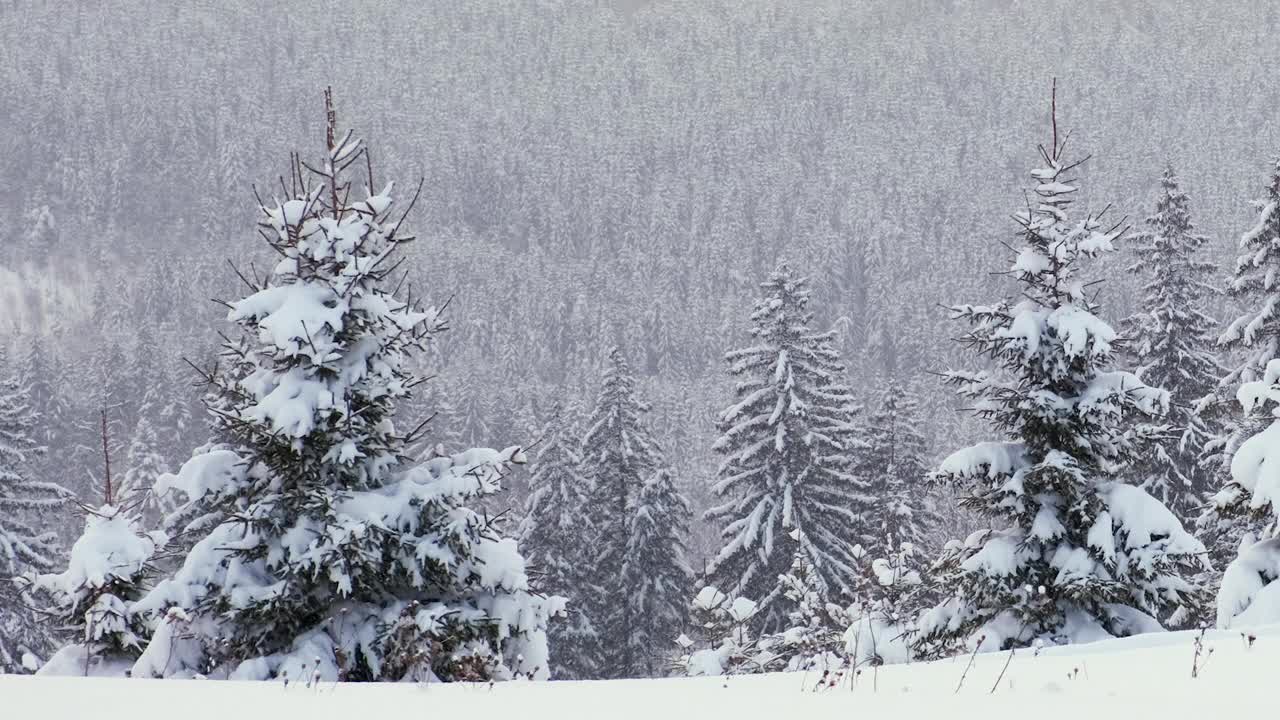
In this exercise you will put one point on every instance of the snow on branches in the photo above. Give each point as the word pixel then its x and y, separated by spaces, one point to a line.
pixel 1170 339
pixel 27 545
pixel 319 544
pixel 1080 554
pixel 107 572
pixel 791 448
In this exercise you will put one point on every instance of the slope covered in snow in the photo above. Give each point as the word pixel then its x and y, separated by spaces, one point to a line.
pixel 1142 677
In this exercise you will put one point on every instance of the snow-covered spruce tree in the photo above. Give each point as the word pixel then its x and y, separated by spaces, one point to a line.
pixel 881 620
pixel 109 569
pixel 1256 332
pixel 475 407
pixel 27 507
pixel 814 636
pixel 1171 340
pixel 895 465
pixel 1254 336
pixel 174 423
pixel 655 572
pixel 143 466
pixel 619 455
pixel 1250 590
pixel 790 449
pixel 1244 512
pixel 1079 555
pixel 724 642
pixel 555 538
pixel 323 552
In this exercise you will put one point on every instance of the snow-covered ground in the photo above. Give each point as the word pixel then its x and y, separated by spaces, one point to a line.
pixel 1143 677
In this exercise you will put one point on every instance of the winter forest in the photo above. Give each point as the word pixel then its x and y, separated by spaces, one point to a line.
pixel 610 339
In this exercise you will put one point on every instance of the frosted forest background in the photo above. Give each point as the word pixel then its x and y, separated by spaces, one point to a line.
pixel 595 175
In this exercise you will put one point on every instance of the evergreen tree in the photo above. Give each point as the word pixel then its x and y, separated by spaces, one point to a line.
pixel 1170 339
pixel 143 466
pixel 1256 332
pixel 1254 338
pixel 554 538
pixel 27 545
pixel 1251 499
pixel 790 445
pixel 1243 514
pixel 47 390
pixel 619 455
pixel 42 390
pixel 1079 553
pixel 108 570
pixel 474 410
pixel 323 552
pixel 724 642
pixel 814 636
pixel 890 595
pixel 115 389
pixel 895 465
pixel 172 418
pixel 655 572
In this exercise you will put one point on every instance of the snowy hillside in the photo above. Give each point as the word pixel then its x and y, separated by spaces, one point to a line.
pixel 642 344
pixel 1142 677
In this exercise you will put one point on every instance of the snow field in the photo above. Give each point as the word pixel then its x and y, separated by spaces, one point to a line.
pixel 1148 676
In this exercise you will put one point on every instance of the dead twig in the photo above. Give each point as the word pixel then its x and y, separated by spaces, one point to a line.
pixel 972 656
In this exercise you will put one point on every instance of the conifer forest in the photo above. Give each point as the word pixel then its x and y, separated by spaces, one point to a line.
pixel 610 339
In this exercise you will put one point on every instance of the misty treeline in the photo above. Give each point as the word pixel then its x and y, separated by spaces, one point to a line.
pixel 596 175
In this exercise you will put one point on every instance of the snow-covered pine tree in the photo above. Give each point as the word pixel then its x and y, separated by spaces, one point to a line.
pixel 1250 589
pixel 556 537
pixel 323 552
pixel 27 545
pixel 814 636
pixel 889 597
pixel 619 455
pixel 1171 341
pixel 656 573
pixel 109 569
pixel 39 369
pixel 475 408
pixel 1080 554
pixel 143 466
pixel 1244 512
pixel 1256 332
pixel 172 418
pixel 724 642
pixel 1254 337
pixel 791 447
pixel 896 467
